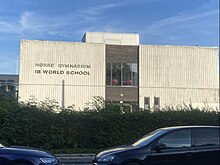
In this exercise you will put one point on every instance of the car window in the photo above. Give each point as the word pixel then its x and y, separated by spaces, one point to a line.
pixel 177 139
pixel 148 138
pixel 204 137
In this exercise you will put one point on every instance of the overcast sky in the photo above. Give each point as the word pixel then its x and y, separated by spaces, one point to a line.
pixel 163 22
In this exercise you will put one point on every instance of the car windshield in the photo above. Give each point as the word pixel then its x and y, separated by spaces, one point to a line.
pixel 148 138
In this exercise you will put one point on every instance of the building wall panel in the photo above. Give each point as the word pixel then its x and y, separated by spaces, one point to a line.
pixel 86 62
pixel 179 74
pixel 181 97
pixel 112 38
pixel 129 94
pixel 121 54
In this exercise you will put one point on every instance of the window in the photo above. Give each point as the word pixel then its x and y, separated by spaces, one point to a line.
pixel 108 73
pixel 127 108
pixel 205 137
pixel 147 103
pixel 156 101
pixel 134 74
pixel 116 74
pixel 177 139
pixel 126 74
pixel 121 74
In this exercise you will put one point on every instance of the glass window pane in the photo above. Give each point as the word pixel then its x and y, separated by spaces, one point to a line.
pixel 108 74
pixel 126 74
pixel 134 74
pixel 156 101
pixel 177 139
pixel 204 137
pixel 147 103
pixel 116 74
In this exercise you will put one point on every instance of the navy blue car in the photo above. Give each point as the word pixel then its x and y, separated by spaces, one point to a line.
pixel 183 145
pixel 25 156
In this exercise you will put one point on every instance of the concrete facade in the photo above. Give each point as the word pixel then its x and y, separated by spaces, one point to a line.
pixel 70 73
pixel 179 75
pixel 111 38
pixel 73 73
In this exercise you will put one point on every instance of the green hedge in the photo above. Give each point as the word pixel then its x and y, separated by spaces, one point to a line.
pixel 48 127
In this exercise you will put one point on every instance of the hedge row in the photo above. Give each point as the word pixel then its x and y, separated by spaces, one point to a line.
pixel 48 127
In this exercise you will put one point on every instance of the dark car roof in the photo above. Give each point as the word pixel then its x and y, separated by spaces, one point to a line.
pixel 183 127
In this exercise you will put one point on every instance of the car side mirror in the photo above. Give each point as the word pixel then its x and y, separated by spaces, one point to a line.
pixel 159 147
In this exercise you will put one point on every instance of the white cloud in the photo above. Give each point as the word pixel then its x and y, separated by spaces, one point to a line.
pixel 31 23
pixel 35 24
pixel 97 9
pixel 25 19
pixel 7 27
pixel 197 26
pixel 93 13
pixel 177 21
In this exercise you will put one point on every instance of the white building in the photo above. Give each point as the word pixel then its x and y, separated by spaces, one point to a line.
pixel 116 67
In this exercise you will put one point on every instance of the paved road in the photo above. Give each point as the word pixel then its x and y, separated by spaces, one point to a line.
pixel 75 159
